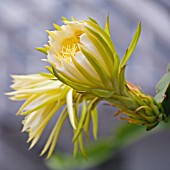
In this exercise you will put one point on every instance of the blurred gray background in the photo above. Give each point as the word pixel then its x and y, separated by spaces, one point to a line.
pixel 22 25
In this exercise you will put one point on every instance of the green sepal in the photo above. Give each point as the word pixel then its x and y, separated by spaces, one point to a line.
pixel 93 20
pixel 87 125
pixel 75 86
pixel 132 46
pixel 81 145
pixel 65 19
pixel 50 70
pixel 76 144
pixel 42 50
pixel 102 46
pixel 121 80
pixel 103 34
pixel 94 116
pixel 126 101
pixel 107 26
pixel 81 121
pixel 114 58
pixel 103 93
pixel 115 73
pixel 57 27
pixel 96 65
pixel 85 73
pixel 92 111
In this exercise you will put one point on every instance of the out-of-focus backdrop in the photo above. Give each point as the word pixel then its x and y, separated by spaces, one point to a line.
pixel 22 25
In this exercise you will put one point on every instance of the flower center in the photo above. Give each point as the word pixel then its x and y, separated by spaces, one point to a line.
pixel 70 46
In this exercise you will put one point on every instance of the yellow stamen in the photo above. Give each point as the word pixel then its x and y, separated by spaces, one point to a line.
pixel 70 47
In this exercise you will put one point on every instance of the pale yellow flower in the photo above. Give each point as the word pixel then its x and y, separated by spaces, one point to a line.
pixel 44 95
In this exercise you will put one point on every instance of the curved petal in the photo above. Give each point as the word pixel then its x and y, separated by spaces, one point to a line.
pixel 86 42
pixel 72 70
pixel 53 60
pixel 81 59
pixel 32 121
pixel 69 99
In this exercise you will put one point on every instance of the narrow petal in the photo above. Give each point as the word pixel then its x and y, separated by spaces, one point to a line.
pixel 94 116
pixel 132 46
pixel 52 140
pixel 86 74
pixel 81 121
pixel 75 73
pixel 71 113
pixel 81 59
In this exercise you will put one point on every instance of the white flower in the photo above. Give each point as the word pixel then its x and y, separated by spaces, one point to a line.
pixel 44 95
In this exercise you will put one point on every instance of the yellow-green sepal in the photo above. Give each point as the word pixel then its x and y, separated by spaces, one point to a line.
pixel 85 73
pixel 107 26
pixel 103 34
pixel 103 93
pixel 57 27
pixel 42 50
pixel 102 46
pixel 76 86
pixel 94 116
pixel 93 20
pixel 132 46
pixel 81 121
pixel 96 65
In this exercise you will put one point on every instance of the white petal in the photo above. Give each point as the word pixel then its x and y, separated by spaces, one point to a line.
pixel 52 59
pixel 72 70
pixel 81 59
pixel 35 102
pixel 69 100
pixel 86 42
pixel 32 121
pixel 75 26
pixel 65 70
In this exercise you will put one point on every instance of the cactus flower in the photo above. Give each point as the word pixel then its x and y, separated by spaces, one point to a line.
pixel 44 95
pixel 85 69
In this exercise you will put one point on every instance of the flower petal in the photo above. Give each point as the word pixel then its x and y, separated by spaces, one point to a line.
pixel 71 113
